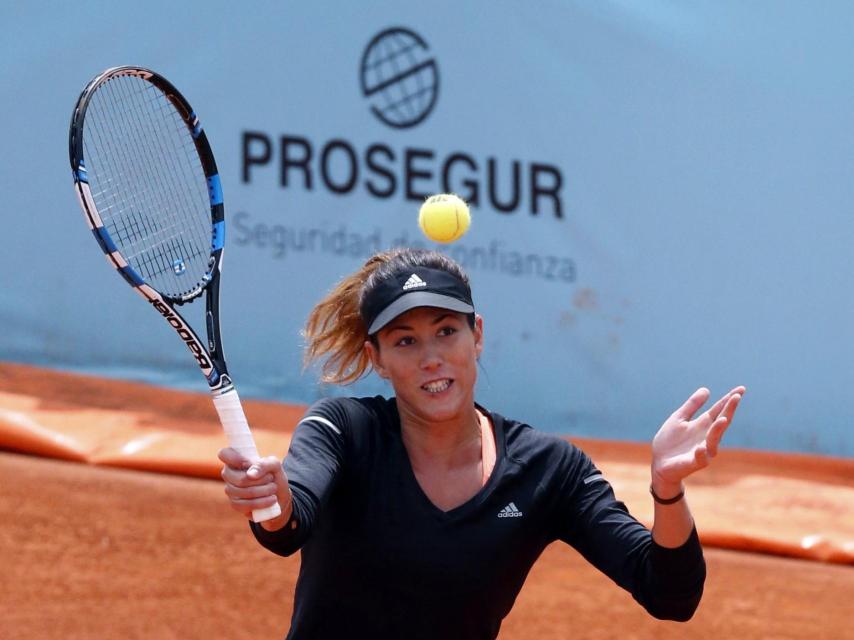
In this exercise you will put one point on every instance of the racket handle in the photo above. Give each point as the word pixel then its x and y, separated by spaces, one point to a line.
pixel 236 428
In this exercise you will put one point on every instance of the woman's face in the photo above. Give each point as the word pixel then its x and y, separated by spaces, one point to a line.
pixel 430 357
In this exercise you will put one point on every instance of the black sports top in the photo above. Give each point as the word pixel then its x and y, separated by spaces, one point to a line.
pixel 379 560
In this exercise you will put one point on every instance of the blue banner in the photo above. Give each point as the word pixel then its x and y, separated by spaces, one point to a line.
pixel 661 195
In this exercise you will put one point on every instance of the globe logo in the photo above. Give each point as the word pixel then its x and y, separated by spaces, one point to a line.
pixel 400 77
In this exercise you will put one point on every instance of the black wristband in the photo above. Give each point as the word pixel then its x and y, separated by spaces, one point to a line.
pixel 672 500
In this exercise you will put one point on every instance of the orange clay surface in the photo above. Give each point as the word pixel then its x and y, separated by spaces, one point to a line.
pixel 95 551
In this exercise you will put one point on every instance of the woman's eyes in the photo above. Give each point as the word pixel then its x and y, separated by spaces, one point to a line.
pixel 408 340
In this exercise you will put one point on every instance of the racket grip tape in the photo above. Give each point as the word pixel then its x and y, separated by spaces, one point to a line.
pixel 239 436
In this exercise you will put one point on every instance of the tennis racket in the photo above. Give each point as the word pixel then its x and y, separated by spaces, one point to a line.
pixel 148 185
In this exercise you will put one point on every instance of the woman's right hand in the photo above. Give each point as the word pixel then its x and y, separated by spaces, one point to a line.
pixel 256 485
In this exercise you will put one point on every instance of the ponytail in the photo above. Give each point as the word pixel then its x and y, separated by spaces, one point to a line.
pixel 335 331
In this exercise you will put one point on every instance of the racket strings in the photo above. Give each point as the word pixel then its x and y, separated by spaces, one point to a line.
pixel 191 159
pixel 157 239
pixel 148 183
pixel 123 183
pixel 169 246
pixel 172 246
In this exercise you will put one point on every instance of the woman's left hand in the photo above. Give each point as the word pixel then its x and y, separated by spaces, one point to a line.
pixel 685 444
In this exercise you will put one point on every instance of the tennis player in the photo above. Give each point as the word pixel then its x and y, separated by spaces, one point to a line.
pixel 420 515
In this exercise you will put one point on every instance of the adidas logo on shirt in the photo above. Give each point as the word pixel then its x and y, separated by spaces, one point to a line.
pixel 413 282
pixel 510 511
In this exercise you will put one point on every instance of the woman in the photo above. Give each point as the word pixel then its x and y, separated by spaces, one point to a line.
pixel 419 516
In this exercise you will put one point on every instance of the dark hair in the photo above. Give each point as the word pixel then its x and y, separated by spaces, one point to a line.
pixel 335 331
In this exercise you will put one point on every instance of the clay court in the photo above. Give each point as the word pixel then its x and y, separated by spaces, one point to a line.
pixel 92 550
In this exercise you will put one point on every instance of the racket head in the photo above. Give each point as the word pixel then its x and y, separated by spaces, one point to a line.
pixel 147 182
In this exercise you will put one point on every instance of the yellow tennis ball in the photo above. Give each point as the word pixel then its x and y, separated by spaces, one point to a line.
pixel 444 217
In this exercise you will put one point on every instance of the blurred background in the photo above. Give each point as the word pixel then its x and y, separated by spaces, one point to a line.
pixel 661 195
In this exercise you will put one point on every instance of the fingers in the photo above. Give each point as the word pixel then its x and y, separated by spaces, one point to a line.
pixel 732 404
pixel 245 506
pixel 250 493
pixel 270 465
pixel 701 457
pixel 697 400
pixel 729 403
pixel 255 485
pixel 240 478
pixel 232 458
pixel 685 445
pixel 246 499
pixel 244 474
pixel 716 432
pixel 716 409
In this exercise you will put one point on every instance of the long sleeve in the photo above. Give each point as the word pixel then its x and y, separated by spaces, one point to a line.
pixel 313 465
pixel 668 583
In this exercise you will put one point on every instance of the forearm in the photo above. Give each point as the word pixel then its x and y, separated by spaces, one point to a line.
pixel 285 499
pixel 674 579
pixel 677 565
pixel 290 535
pixel 672 523
pixel 666 579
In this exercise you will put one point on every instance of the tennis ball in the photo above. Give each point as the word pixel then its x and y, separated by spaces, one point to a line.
pixel 444 217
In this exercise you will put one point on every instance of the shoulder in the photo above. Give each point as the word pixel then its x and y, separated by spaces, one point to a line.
pixel 530 446
pixel 345 414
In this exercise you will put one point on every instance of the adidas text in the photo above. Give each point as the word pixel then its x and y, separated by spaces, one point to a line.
pixel 510 511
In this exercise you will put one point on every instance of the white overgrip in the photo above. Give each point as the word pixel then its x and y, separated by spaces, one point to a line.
pixel 239 436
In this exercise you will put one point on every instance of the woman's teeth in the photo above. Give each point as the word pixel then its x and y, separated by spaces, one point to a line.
pixel 438 386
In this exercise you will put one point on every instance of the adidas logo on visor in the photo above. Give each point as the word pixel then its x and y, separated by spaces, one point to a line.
pixel 413 283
